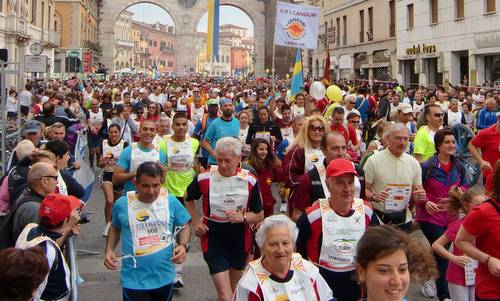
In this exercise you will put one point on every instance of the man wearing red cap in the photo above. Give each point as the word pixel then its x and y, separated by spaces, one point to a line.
pixel 330 229
pixel 59 218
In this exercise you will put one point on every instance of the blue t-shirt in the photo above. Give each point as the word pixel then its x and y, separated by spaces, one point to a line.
pixel 124 162
pixel 198 132
pixel 220 128
pixel 154 270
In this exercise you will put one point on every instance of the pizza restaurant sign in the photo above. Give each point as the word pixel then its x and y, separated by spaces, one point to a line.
pixel 418 49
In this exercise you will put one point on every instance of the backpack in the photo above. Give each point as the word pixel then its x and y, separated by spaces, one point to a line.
pixel 4 195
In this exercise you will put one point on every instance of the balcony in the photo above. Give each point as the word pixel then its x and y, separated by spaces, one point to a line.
pixel 17 27
pixel 51 39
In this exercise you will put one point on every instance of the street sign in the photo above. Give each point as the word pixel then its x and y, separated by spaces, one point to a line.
pixel 35 63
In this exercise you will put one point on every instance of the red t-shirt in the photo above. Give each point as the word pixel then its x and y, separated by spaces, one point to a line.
pixel 455 273
pixel 349 133
pixel 483 222
pixel 488 140
pixel 445 166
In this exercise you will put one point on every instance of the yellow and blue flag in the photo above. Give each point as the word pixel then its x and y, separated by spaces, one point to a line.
pixel 213 30
pixel 297 79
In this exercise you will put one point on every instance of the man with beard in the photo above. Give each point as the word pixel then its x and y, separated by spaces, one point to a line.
pixel 224 126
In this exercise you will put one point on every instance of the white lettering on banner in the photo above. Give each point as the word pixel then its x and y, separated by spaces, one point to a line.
pixel 296 25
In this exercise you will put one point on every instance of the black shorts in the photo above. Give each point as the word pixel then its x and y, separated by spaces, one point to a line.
pixel 222 257
pixel 94 141
pixel 11 114
pixel 25 110
pixel 107 176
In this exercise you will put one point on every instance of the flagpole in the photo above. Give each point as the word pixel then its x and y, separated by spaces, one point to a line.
pixel 272 70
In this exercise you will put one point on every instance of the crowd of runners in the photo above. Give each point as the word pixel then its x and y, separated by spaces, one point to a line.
pixel 312 196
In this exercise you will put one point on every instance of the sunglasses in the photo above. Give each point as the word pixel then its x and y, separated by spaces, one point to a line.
pixel 313 128
pixel 152 107
pixel 353 102
pixel 114 114
pixel 355 122
pixel 438 114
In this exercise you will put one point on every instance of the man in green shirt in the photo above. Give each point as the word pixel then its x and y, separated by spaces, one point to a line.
pixel 181 153
pixel 424 139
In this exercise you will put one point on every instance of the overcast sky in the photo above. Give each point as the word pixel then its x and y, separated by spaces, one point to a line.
pixel 150 13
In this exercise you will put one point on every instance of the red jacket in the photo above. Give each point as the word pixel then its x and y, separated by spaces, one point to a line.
pixel 266 177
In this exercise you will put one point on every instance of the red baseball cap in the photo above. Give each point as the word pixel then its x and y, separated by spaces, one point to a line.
pixel 339 167
pixel 55 208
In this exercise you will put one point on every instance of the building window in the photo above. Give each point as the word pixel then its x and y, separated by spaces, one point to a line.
pixel 337 38
pixel 409 9
pixel 490 6
pixel 434 11
pixel 459 9
pixel 392 22
pixel 344 36
pixel 362 26
pixel 370 24
pixel 154 44
pixel 33 12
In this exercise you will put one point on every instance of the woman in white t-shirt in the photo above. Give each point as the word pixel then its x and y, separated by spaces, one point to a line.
pixel 244 118
pixel 12 105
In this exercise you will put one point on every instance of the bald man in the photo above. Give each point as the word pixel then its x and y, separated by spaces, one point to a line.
pixel 42 180
pixel 487 116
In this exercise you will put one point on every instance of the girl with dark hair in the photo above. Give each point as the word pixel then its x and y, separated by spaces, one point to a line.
pixel 459 203
pixel 440 173
pixel 264 128
pixel 111 150
pixel 268 168
pixel 388 259
pixel 478 238
pixel 152 112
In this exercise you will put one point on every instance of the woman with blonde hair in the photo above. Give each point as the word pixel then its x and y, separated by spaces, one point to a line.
pixel 305 151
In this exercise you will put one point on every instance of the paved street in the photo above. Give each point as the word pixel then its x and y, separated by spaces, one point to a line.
pixel 102 284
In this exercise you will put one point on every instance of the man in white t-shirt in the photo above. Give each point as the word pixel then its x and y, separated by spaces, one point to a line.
pixel 157 96
pixel 349 103
pixel 25 99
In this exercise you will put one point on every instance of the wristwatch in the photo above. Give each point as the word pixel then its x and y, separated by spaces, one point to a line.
pixel 186 246
pixel 244 218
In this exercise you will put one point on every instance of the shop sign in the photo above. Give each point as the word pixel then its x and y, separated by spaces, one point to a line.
pixel 345 62
pixel 331 33
pixel 418 49
pixel 87 61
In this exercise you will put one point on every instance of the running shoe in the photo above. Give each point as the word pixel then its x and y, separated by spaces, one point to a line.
pixel 429 289
pixel 178 283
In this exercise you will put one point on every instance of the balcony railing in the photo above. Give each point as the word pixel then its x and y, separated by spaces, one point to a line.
pixel 167 50
pixel 125 43
pixel 51 39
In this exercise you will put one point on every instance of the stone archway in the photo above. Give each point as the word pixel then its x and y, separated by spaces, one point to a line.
pixel 186 21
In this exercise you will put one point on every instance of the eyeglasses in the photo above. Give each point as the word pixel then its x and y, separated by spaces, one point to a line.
pixel 313 128
pixel 353 121
pixel 353 102
pixel 438 114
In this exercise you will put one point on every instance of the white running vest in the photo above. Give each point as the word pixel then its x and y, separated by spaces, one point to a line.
pixel 227 194
pixel 340 236
pixel 149 224
pixel 139 156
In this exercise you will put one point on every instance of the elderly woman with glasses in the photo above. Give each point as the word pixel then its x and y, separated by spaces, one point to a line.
pixel 281 274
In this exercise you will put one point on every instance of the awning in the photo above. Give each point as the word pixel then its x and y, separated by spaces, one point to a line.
pixel 375 65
